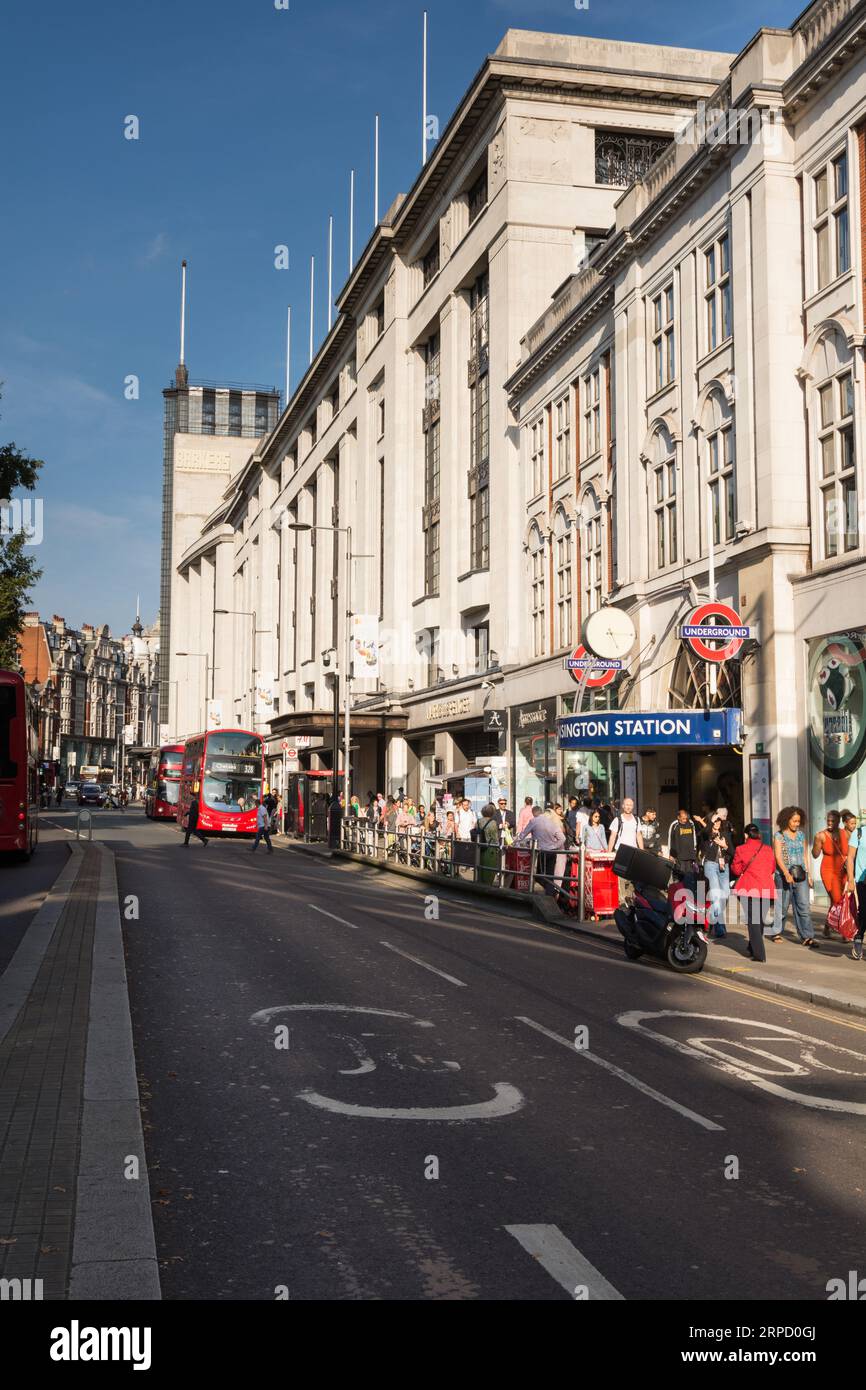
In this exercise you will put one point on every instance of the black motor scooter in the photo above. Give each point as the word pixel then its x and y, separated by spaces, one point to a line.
pixel 665 924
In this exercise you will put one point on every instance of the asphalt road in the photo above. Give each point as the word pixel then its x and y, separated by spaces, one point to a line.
pixel 24 886
pixel 345 1100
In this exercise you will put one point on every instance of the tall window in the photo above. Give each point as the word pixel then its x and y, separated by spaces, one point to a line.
pixel 837 464
pixel 479 404
pixel 562 418
pixel 379 312
pixel 261 425
pixel 717 262
pixel 536 579
pixel 664 351
pixel 537 453
pixel 478 198
pixel 592 413
pixel 235 412
pixel 208 412
pixel 564 601
pixel 431 425
pixel 830 220
pixel 481 646
pixel 591 555
pixel 664 482
pixel 720 478
pixel 430 263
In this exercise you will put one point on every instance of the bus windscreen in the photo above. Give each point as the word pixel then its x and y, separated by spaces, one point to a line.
pixel 8 712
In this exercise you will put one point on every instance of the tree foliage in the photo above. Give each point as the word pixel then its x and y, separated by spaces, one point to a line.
pixel 18 570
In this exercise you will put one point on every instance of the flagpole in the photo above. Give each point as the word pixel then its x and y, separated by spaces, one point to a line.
pixel 352 222
pixel 288 354
pixel 312 302
pixel 424 97
pixel 330 271
pixel 376 175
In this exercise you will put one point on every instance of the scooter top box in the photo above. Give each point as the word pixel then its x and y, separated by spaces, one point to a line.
pixel 641 866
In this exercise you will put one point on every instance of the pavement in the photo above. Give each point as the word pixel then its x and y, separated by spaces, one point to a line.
pixel 74 1222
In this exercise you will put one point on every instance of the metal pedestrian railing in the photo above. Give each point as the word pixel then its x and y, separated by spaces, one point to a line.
pixel 517 868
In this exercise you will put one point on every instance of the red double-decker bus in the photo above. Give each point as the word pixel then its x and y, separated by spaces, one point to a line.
pixel 19 767
pixel 226 767
pixel 163 787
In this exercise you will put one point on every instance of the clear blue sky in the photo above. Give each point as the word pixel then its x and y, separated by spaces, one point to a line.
pixel 250 120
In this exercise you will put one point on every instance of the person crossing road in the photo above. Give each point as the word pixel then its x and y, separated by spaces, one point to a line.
pixel 263 832
pixel 192 824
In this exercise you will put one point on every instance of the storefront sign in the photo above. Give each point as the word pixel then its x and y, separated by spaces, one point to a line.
pixel 532 717
pixel 700 632
pixel 596 672
pixel 450 709
pixel 495 721
pixel 658 729
pixel 761 794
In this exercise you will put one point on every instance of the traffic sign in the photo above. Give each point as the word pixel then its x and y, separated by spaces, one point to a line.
pixel 604 672
pixel 700 632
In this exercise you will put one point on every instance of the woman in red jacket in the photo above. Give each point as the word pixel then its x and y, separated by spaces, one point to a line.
pixel 754 868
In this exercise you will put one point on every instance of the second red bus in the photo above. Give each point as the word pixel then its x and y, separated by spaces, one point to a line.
pixel 19 767
pixel 163 788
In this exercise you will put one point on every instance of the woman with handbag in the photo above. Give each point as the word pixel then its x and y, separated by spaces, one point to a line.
pixel 831 847
pixel 793 880
pixel 754 871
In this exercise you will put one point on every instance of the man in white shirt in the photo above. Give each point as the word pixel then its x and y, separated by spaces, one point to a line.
pixel 625 828
pixel 466 820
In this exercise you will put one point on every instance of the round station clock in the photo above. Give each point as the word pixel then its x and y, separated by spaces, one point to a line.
pixel 609 633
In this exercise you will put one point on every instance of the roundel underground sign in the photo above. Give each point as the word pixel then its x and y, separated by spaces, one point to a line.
pixel 593 670
pixel 715 623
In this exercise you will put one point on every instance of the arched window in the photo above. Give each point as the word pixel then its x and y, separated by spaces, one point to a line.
pixel 832 409
pixel 719 468
pixel 664 538
pixel 591 553
pixel 536 578
pixel 564 588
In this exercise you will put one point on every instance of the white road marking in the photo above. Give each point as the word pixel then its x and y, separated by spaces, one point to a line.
pixel 265 1015
pixel 405 954
pixel 559 1257
pixel 507 1101
pixel 333 918
pixel 624 1076
pixel 699 1047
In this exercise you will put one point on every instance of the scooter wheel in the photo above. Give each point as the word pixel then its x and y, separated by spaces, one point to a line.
pixel 632 952
pixel 686 960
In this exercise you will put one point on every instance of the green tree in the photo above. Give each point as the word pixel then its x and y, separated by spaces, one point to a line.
pixel 18 570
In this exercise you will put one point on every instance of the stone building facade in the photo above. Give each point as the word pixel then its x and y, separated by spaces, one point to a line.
pixel 617 325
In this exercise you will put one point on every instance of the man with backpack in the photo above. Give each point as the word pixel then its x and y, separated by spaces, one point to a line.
pixel 683 847
pixel 856 886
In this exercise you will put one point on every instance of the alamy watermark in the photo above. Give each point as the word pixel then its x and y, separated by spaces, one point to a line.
pixel 22 516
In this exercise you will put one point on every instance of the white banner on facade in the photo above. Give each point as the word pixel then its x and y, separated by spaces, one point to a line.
pixel 129 734
pixel 215 714
pixel 163 733
pixel 265 686
pixel 365 646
